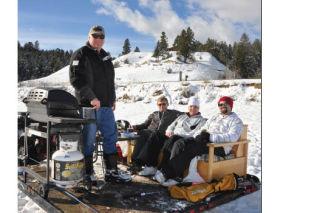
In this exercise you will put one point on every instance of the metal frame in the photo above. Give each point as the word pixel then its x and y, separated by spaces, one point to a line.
pixel 98 147
pixel 45 182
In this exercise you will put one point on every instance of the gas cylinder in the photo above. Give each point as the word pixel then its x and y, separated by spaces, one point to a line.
pixel 67 165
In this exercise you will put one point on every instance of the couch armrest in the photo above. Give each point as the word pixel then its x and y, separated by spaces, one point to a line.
pixel 227 143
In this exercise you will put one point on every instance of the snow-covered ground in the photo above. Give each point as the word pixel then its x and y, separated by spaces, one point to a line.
pixel 141 82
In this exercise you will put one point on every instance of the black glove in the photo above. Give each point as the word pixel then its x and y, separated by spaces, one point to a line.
pixel 204 137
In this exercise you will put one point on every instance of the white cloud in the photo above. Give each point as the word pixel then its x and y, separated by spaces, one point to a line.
pixel 164 19
pixel 221 31
pixel 224 20
pixel 246 11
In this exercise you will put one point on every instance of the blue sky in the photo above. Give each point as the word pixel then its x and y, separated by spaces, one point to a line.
pixel 65 23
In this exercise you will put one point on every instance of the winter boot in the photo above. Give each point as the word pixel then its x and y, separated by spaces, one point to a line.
pixel 112 173
pixel 89 179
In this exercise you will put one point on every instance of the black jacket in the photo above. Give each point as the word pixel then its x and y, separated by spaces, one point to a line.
pixel 154 122
pixel 92 75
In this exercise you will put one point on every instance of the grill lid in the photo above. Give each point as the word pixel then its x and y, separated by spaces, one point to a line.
pixel 44 102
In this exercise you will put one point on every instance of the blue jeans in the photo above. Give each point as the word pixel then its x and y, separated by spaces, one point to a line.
pixel 108 129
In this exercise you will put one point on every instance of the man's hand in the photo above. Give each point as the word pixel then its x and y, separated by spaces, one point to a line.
pixel 114 107
pixel 169 134
pixel 95 103
pixel 204 137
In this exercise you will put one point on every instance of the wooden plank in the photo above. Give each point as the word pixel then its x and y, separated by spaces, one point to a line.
pixel 245 153
pixel 222 168
pixel 227 143
pixel 243 135
pixel 210 166
pixel 240 150
pixel 130 150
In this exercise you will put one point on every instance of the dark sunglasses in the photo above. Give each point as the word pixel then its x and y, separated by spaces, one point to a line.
pixel 98 36
pixel 223 104
pixel 162 104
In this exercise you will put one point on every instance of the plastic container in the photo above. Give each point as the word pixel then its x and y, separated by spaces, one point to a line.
pixel 127 134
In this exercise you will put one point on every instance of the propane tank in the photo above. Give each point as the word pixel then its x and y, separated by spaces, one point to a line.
pixel 67 165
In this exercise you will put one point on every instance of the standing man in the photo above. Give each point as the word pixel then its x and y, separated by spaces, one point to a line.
pixel 92 76
pixel 225 126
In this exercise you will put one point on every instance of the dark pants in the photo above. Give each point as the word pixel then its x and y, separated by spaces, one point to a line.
pixel 172 147
pixel 151 149
pixel 144 135
pixel 178 164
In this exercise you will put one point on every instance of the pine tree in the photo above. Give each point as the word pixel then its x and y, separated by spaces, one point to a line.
pixel 156 52
pixel 126 47
pixel 36 45
pixel 244 62
pixel 137 49
pixel 257 50
pixel 185 44
pixel 163 46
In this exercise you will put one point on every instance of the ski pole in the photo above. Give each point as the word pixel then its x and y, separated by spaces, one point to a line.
pixel 74 197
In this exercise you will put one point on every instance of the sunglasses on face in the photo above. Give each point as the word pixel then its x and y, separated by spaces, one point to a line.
pixel 162 104
pixel 223 104
pixel 98 36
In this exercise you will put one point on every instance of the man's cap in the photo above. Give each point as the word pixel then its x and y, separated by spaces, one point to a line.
pixel 96 29
pixel 193 101
pixel 226 99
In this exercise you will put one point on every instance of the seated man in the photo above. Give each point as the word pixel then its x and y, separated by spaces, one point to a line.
pixel 183 127
pixel 158 121
pixel 225 126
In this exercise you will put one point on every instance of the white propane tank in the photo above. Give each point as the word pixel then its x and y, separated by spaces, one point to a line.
pixel 67 165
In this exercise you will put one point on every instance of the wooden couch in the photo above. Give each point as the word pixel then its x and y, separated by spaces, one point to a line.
pixel 213 169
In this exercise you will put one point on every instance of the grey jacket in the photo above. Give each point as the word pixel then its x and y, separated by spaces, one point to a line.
pixel 154 122
pixel 186 126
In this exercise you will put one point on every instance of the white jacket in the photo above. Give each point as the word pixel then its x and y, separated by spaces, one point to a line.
pixel 181 126
pixel 223 129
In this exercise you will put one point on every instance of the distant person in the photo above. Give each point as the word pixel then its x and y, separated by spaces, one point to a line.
pixel 92 76
pixel 225 126
pixel 157 121
pixel 183 127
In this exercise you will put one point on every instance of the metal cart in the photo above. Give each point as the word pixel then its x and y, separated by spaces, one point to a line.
pixel 53 126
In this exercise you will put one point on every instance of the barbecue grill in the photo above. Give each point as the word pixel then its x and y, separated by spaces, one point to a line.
pixel 54 112
pixel 44 102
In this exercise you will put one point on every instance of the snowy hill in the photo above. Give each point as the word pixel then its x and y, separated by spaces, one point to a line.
pixel 142 81
pixel 138 66
pixel 142 67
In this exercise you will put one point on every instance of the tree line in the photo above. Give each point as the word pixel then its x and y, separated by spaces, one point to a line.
pixel 243 57
pixel 35 63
